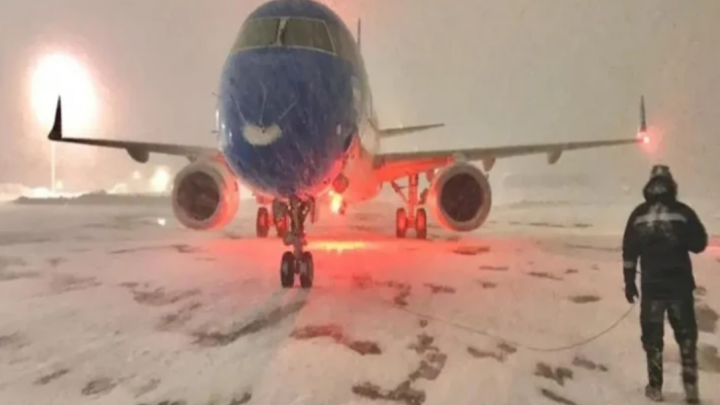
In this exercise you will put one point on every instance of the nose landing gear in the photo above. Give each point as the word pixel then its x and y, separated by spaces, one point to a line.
pixel 297 262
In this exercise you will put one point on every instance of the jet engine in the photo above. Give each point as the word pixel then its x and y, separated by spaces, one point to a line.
pixel 460 197
pixel 205 195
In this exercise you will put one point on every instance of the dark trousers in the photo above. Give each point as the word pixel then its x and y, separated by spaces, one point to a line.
pixel 681 314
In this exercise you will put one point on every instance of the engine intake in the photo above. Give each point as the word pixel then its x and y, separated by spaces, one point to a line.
pixel 460 197
pixel 205 195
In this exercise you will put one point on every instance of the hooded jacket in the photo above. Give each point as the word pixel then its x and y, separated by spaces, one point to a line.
pixel 661 232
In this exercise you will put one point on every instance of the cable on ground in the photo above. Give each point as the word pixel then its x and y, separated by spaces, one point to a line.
pixel 510 341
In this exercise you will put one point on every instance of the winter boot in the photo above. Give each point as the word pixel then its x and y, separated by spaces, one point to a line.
pixel 654 393
pixel 688 356
pixel 692 396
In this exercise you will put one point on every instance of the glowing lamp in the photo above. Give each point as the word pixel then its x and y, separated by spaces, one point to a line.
pixel 62 75
pixel 336 203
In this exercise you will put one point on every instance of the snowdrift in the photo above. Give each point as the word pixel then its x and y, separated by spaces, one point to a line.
pixel 96 198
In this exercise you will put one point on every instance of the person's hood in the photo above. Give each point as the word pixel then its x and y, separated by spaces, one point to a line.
pixel 660 189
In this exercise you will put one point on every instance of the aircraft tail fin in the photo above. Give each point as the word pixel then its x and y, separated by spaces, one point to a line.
pixel 359 33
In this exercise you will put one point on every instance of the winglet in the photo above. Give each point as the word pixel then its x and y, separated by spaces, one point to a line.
pixel 56 131
pixel 643 122
pixel 359 34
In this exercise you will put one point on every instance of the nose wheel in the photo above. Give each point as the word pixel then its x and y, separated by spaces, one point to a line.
pixel 304 269
pixel 297 262
pixel 287 270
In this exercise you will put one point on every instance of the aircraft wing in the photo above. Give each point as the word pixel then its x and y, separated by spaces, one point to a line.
pixel 392 132
pixel 139 151
pixel 385 133
pixel 390 166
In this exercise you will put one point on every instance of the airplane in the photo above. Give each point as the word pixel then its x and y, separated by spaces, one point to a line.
pixel 296 124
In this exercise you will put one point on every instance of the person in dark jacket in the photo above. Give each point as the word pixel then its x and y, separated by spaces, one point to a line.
pixel 661 232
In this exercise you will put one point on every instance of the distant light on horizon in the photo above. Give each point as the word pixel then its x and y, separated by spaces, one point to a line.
pixel 160 180
pixel 120 188
pixel 60 74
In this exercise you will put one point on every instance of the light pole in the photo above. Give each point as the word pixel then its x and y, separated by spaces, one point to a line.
pixel 52 166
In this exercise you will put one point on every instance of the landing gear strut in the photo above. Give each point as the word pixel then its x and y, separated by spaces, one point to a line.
pixel 280 217
pixel 411 216
pixel 297 262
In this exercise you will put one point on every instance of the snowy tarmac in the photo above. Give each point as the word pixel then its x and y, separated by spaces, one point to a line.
pixel 119 305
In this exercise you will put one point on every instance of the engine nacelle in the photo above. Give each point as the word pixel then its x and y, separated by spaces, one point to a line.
pixel 205 195
pixel 460 197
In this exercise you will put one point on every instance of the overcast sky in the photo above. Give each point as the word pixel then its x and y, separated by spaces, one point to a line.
pixel 497 72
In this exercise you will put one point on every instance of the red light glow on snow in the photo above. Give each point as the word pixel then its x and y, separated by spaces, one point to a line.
pixel 339 246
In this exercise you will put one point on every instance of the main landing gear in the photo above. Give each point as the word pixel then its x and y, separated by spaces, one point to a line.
pixel 279 219
pixel 297 262
pixel 411 216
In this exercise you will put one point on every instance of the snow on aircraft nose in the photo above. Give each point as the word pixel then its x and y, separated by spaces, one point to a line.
pixel 286 119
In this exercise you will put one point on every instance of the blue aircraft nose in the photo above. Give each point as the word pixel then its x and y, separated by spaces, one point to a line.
pixel 287 119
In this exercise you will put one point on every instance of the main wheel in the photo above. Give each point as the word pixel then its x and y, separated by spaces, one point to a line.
pixel 262 223
pixel 287 270
pixel 401 223
pixel 282 226
pixel 306 270
pixel 421 224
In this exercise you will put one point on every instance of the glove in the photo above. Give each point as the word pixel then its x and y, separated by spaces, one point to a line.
pixel 631 292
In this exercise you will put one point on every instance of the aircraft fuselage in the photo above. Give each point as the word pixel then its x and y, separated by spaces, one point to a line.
pixel 294 101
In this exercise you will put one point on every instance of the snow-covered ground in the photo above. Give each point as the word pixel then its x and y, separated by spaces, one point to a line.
pixel 119 305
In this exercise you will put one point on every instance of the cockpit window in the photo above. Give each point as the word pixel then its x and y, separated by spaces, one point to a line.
pixel 306 33
pixel 258 33
pixel 345 45
pixel 265 32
